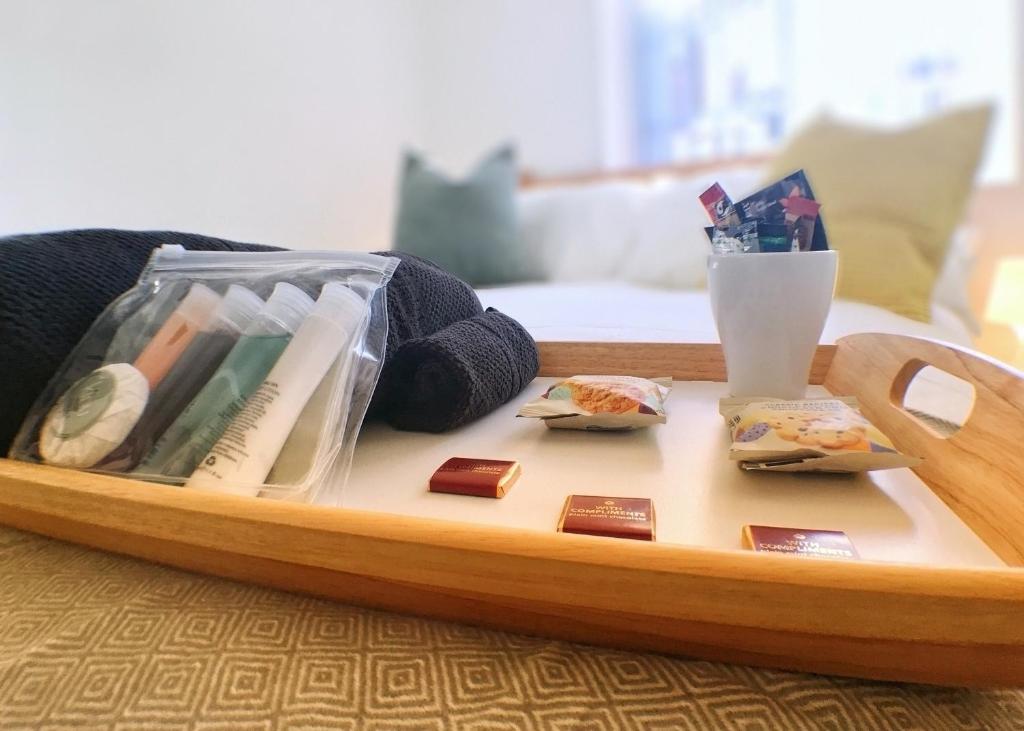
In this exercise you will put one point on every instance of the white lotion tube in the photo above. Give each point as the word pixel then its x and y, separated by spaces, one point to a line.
pixel 242 458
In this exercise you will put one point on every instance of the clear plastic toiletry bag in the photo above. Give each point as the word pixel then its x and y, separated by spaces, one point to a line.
pixel 236 372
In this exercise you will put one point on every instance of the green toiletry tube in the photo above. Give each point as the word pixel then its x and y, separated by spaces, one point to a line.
pixel 201 424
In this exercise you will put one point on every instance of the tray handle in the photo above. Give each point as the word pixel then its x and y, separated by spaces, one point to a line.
pixel 978 471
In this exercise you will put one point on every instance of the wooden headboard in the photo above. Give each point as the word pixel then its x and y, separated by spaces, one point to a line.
pixel 530 180
pixel 995 214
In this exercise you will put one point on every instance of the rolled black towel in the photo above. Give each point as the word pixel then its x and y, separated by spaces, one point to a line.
pixel 458 374
pixel 422 299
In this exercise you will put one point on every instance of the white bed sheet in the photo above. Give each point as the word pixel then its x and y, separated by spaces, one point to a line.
pixel 700 496
pixel 617 311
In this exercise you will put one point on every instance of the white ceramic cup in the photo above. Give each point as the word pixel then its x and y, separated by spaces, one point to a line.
pixel 770 310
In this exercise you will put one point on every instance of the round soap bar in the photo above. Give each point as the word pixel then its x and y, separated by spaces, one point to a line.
pixel 94 416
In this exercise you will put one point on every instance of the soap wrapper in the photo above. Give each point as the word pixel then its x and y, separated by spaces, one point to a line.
pixel 809 435
pixel 601 403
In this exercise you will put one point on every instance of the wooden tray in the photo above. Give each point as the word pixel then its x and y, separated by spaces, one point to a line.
pixel 956 625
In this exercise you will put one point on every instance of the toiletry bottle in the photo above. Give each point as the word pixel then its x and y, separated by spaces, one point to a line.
pixel 200 425
pixel 241 459
pixel 190 373
pixel 170 341
pixel 135 331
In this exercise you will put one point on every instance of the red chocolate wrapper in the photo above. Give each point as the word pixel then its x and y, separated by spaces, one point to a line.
pixel 799 542
pixel 477 477
pixel 611 517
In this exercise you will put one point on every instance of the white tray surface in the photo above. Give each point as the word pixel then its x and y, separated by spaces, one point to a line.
pixel 700 496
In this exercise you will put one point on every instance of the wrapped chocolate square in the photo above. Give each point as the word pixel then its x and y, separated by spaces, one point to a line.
pixel 609 517
pixel 808 435
pixel 798 542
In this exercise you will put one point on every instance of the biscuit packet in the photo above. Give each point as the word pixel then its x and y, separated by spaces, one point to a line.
pixel 810 435
pixel 601 403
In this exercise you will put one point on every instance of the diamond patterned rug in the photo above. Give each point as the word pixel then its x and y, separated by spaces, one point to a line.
pixel 91 640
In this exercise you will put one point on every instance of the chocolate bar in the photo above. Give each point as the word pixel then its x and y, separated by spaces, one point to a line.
pixel 798 542
pixel 611 517
pixel 477 477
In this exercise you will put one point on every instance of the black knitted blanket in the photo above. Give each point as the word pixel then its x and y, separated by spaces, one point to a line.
pixel 53 285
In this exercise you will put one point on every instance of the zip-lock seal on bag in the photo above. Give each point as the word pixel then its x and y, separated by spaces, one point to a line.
pixel 279 401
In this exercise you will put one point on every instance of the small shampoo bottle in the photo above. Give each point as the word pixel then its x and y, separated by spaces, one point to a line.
pixel 170 341
pixel 243 457
pixel 201 424
pixel 190 373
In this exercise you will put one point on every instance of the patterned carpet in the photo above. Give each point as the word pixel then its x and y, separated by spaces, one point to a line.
pixel 90 640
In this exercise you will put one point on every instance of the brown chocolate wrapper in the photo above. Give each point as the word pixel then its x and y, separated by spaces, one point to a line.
pixel 799 542
pixel 611 517
pixel 476 477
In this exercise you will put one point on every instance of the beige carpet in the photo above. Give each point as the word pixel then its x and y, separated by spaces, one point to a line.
pixel 90 640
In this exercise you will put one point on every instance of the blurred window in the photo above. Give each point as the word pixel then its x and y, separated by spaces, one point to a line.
pixel 712 79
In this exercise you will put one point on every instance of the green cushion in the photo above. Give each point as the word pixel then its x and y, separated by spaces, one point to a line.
pixel 466 226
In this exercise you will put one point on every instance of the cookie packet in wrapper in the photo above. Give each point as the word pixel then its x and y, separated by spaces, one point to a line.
pixel 601 403
pixel 809 435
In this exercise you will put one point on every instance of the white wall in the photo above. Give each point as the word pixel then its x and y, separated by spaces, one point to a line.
pixel 524 70
pixel 256 120
pixel 277 121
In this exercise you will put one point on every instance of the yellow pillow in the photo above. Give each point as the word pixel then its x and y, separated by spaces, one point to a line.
pixel 883 267
pixel 890 200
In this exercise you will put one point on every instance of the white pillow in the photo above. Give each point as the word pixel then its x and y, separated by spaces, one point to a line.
pixel 578 232
pixel 670 247
pixel 950 289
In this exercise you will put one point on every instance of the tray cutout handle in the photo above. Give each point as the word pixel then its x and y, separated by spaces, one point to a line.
pixel 940 402
pixel 979 471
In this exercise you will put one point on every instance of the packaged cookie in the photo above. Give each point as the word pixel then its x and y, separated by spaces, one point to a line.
pixel 601 403
pixel 811 435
